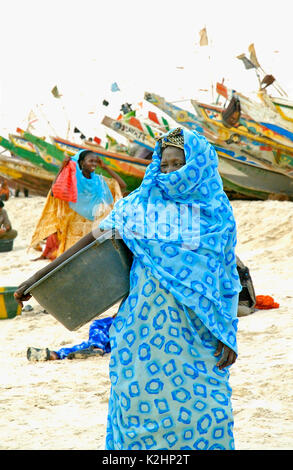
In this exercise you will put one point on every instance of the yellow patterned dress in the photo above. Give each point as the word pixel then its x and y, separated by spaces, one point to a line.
pixel 58 217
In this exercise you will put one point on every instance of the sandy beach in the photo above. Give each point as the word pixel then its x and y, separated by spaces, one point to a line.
pixel 63 404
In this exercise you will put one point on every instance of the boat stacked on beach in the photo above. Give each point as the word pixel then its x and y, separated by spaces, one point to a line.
pixel 254 143
pixel 255 158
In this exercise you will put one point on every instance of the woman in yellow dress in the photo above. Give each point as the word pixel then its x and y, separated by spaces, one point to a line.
pixel 96 196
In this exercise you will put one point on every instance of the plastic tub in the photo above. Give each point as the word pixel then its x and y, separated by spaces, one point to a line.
pixel 86 284
pixel 9 308
pixel 6 245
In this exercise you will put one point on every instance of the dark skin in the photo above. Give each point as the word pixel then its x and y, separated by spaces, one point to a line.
pixel 173 158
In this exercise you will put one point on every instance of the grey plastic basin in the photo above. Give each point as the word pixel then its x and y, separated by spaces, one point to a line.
pixel 86 284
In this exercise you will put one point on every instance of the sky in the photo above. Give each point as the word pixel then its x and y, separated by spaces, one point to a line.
pixel 85 46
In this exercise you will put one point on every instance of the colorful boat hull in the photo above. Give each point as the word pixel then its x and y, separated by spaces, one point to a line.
pixel 248 136
pixel 27 150
pixel 22 174
pixel 48 151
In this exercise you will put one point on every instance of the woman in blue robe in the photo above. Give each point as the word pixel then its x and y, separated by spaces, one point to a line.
pixel 174 337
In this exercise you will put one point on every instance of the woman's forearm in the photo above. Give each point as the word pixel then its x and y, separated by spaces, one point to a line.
pixel 114 175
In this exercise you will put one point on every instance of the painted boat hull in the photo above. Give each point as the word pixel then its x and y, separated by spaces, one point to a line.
pixel 48 151
pixel 130 132
pixel 28 151
pixel 274 114
pixel 284 108
pixel 182 117
pixel 25 175
pixel 218 134
pixel 253 180
pixel 249 137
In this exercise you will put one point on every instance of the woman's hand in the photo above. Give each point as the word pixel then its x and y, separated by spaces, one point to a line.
pixel 65 160
pixel 228 355
pixel 19 294
pixel 101 163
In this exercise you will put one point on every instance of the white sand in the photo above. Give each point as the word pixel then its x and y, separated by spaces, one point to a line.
pixel 63 404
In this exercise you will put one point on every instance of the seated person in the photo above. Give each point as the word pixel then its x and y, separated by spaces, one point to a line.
pixel 4 191
pixel 6 231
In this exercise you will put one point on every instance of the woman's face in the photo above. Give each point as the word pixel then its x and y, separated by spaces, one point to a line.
pixel 90 162
pixel 173 159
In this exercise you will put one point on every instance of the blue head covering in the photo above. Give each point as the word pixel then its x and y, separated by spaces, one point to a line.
pixel 181 226
pixel 90 192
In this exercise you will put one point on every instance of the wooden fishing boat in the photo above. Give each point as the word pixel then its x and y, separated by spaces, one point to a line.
pixel 112 145
pixel 23 174
pixel 268 116
pixel 68 147
pixel 48 151
pixel 253 180
pixel 247 176
pixel 221 136
pixel 248 136
pixel 214 134
pixel 133 133
pixel 130 172
pixel 182 117
pixel 150 127
pixel 27 150
pixel 284 108
pixel 270 110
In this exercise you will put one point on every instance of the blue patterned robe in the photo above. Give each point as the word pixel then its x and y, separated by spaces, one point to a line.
pixel 166 390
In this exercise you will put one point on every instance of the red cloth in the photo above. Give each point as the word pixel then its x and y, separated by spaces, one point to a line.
pixel 51 247
pixel 264 302
pixel 65 186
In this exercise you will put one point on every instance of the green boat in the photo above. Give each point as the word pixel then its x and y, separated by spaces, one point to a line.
pixel 19 147
pixel 28 155
pixel 46 148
